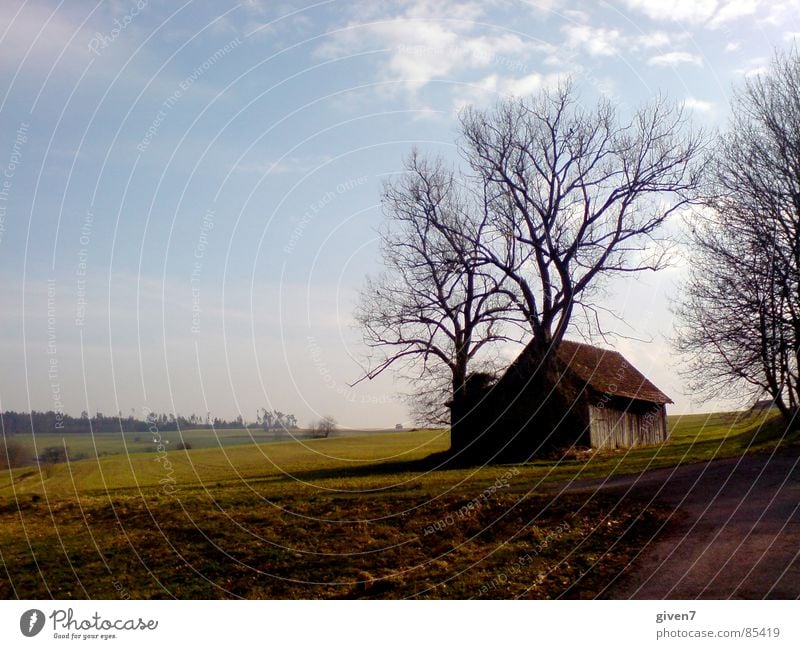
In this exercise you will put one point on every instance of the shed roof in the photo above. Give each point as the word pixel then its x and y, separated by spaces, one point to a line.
pixel 608 371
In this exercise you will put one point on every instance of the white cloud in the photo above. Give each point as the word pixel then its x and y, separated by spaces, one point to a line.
pixel 489 88
pixel 781 13
pixel 732 47
pixel 674 58
pixel 754 66
pixel 525 85
pixel 420 47
pixel 654 39
pixel 689 11
pixel 576 15
pixel 603 41
pixel 597 41
pixel 698 104
pixel 734 10
pixel 659 39
pixel 443 10
pixel 710 13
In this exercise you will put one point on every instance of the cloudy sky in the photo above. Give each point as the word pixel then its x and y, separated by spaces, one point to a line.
pixel 190 192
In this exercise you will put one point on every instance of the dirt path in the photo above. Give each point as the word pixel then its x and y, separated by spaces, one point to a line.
pixel 736 535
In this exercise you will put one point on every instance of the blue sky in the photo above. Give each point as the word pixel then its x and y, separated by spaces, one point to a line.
pixel 192 190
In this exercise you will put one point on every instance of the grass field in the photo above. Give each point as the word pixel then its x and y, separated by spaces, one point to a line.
pixel 100 444
pixel 355 516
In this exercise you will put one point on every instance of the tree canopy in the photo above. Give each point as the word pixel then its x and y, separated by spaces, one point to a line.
pixel 739 314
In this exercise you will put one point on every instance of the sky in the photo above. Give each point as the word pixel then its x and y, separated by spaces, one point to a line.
pixel 190 192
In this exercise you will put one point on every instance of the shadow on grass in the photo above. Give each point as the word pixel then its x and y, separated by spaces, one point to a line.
pixel 440 461
pixel 764 434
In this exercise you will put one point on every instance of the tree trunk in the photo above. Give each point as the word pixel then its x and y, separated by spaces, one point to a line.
pixel 517 418
pixel 458 412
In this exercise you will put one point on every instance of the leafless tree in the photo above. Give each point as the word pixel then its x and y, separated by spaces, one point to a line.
pixel 14 453
pixel 576 195
pixel 739 313
pixel 437 306
pixel 558 197
pixel 324 427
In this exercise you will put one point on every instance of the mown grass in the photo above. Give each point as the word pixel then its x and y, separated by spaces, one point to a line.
pixel 368 516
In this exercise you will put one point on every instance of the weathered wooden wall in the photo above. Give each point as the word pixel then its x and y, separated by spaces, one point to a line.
pixel 637 425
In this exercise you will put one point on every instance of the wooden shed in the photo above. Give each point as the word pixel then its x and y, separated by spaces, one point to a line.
pixel 618 405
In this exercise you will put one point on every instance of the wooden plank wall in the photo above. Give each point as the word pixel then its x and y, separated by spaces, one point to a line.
pixel 610 428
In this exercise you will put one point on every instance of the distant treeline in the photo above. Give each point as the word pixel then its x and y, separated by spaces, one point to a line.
pixel 62 423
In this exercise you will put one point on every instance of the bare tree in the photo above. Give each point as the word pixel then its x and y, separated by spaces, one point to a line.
pixel 437 305
pixel 324 427
pixel 14 453
pixel 577 195
pixel 54 455
pixel 739 315
pixel 559 197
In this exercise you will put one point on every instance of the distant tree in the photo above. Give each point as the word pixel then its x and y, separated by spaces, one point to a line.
pixel 53 455
pixel 13 454
pixel 739 312
pixel 324 427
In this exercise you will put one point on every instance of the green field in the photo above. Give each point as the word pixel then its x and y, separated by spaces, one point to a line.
pixel 360 515
pixel 82 446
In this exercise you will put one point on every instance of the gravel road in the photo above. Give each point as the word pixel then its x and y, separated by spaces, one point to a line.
pixel 736 532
